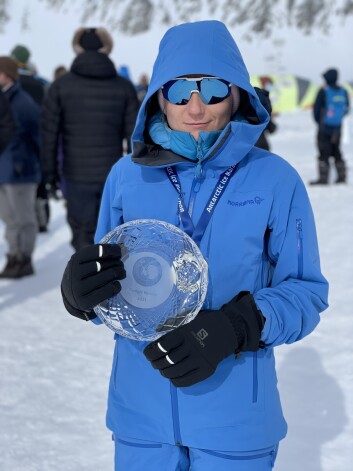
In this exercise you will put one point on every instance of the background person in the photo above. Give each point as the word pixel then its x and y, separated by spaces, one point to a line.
pixel 142 87
pixel 94 111
pixel 35 86
pixel 266 87
pixel 59 71
pixel 330 107
pixel 19 175
pixel 30 81
pixel 204 396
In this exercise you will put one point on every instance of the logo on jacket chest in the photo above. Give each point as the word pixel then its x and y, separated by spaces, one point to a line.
pixel 248 202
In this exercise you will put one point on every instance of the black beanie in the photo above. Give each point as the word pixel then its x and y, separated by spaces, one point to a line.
pixel 90 41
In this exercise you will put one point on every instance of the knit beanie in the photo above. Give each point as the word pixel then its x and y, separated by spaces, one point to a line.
pixel 92 39
pixel 21 54
pixel 9 67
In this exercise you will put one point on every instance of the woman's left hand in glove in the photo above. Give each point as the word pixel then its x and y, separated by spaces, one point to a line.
pixel 191 353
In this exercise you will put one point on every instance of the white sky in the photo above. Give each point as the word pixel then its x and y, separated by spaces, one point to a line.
pixel 54 368
pixel 50 33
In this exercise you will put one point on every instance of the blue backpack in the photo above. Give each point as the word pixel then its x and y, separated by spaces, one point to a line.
pixel 336 106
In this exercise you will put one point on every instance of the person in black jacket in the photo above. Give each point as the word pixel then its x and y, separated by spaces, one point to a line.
pixel 331 105
pixel 7 123
pixel 93 109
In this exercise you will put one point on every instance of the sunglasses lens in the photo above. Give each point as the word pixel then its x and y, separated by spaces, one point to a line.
pixel 211 90
pixel 179 91
pixel 214 91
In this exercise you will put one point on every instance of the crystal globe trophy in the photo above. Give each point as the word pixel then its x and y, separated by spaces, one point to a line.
pixel 166 280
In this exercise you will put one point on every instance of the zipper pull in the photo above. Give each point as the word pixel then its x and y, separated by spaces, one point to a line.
pixel 198 176
pixel 299 228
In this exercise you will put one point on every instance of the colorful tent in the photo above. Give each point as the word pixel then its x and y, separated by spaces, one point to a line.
pixel 290 92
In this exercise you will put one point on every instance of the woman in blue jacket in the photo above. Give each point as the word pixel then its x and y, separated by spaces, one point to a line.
pixel 211 401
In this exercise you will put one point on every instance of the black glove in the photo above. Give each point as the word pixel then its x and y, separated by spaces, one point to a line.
pixel 90 277
pixel 191 353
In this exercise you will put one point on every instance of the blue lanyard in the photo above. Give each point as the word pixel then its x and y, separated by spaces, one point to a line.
pixel 196 233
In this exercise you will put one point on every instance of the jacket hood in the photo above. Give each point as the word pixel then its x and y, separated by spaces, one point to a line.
pixel 93 64
pixel 204 47
pixel 331 76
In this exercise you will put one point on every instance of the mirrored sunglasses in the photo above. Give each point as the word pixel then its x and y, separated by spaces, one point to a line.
pixel 211 90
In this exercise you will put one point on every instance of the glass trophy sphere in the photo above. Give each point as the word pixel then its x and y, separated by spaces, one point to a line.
pixel 166 280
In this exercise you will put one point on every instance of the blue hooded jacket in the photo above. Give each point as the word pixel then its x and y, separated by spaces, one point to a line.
pixel 261 238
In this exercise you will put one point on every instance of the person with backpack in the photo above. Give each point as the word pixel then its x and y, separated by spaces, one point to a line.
pixel 330 107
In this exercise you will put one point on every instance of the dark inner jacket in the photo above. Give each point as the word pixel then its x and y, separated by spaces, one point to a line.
pixel 92 109
pixel 34 87
pixel 19 162
pixel 7 123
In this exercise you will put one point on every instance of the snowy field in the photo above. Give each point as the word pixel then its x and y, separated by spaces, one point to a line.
pixel 54 369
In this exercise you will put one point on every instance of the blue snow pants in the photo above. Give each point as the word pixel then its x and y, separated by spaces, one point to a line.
pixel 138 455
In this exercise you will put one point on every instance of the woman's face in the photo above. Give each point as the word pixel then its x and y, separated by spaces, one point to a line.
pixel 196 116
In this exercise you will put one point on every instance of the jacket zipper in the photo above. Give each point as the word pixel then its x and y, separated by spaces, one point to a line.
pixel 199 177
pixel 255 378
pixel 175 414
pixel 196 184
pixel 300 247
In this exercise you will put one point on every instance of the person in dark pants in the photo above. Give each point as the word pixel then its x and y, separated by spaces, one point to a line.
pixel 331 105
pixel 93 109
pixel 19 175
pixel 35 86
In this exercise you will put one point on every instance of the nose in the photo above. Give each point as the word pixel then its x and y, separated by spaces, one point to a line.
pixel 195 105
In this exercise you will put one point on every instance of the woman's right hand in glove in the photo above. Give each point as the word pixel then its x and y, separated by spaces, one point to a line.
pixel 91 276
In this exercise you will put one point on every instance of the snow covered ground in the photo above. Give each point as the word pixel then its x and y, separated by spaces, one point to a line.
pixel 54 369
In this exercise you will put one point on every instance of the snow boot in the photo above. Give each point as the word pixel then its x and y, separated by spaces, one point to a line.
pixel 323 175
pixel 24 266
pixel 10 267
pixel 341 171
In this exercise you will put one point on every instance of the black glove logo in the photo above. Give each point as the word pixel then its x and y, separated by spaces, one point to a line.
pixel 200 336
